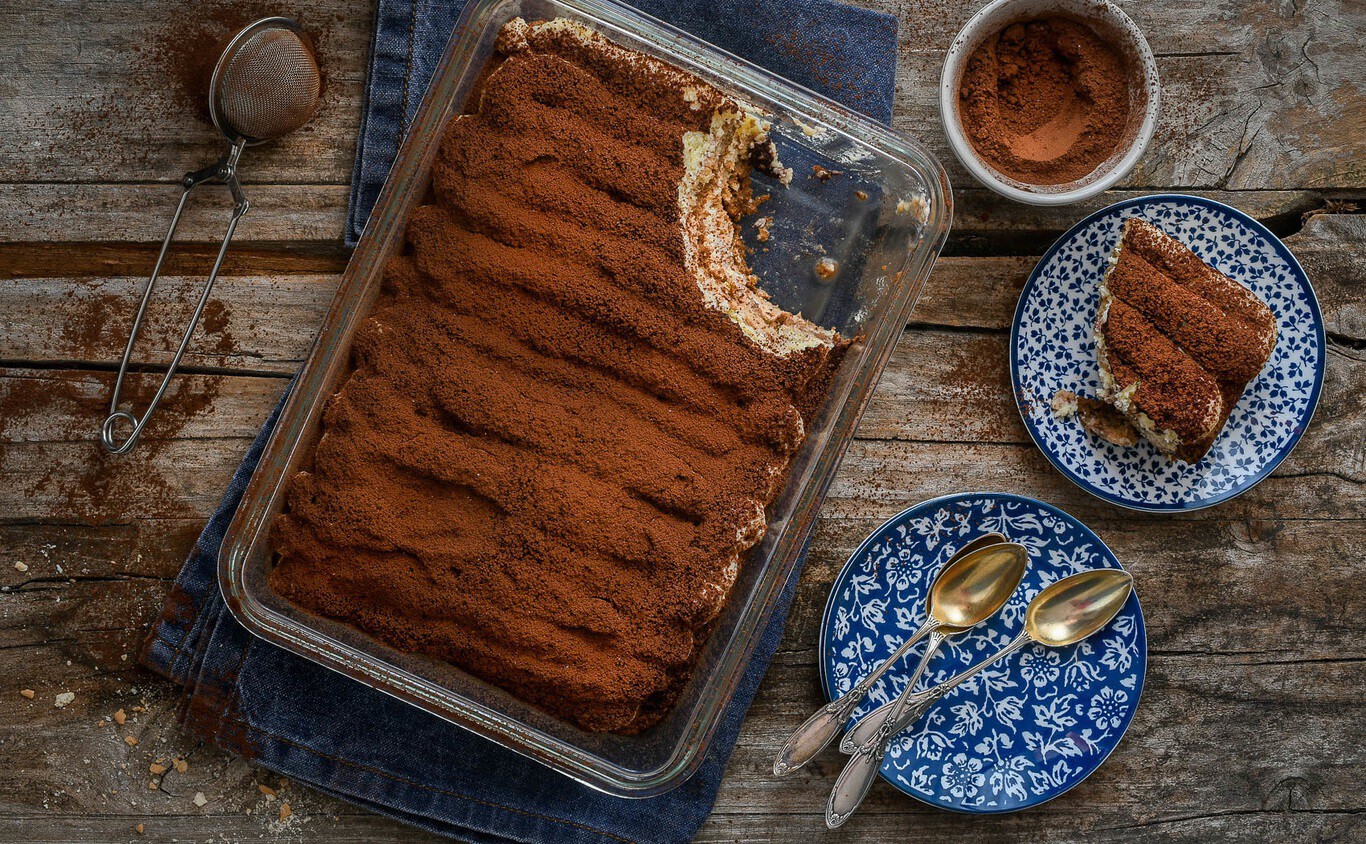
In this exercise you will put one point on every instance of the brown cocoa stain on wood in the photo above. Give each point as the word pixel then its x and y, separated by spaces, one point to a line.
pixel 87 331
pixel 172 68
pixel 100 488
pixel 980 367
pixel 213 329
pixel 96 326
pixel 184 52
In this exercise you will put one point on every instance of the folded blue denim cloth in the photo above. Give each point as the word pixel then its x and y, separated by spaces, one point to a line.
pixel 317 727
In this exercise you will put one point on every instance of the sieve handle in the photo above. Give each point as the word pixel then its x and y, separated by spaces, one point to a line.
pixel 225 171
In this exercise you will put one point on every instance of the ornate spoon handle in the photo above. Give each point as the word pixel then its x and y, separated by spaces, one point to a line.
pixel 917 705
pixel 868 725
pixel 808 740
pixel 858 775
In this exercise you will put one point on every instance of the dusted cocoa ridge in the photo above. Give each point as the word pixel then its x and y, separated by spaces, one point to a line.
pixel 571 403
pixel 1045 101
pixel 1177 341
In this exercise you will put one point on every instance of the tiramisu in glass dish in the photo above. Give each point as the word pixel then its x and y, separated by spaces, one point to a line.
pixel 571 403
pixel 566 430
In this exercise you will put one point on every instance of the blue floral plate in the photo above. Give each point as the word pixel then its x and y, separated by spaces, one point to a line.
pixel 1027 729
pixel 1052 348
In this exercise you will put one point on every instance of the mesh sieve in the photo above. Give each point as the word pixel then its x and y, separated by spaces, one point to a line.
pixel 266 84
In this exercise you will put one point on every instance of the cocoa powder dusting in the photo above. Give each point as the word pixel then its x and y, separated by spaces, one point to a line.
pixel 1045 101
pixel 1190 337
pixel 550 454
pixel 97 324
pixel 51 420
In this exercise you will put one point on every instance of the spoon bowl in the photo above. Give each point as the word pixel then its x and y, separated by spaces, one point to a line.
pixel 1068 611
pixel 975 587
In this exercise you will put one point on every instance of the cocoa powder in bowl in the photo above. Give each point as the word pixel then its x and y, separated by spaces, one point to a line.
pixel 1045 101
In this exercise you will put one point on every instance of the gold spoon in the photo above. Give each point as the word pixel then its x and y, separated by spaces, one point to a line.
pixel 808 740
pixel 967 594
pixel 1061 614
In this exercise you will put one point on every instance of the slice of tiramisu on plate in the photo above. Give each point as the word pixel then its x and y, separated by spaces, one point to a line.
pixel 1177 341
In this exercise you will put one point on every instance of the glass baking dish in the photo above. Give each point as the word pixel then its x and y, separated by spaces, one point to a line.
pixel 883 218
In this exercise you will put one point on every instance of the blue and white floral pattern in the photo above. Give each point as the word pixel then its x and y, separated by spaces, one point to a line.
pixel 1052 348
pixel 1028 728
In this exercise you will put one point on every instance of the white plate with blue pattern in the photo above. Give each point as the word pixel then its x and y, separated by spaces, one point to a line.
pixel 1052 347
pixel 1021 732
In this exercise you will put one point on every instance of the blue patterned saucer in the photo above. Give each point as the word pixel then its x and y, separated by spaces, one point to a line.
pixel 1052 348
pixel 1027 729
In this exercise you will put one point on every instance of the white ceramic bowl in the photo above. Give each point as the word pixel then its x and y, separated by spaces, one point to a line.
pixel 1111 24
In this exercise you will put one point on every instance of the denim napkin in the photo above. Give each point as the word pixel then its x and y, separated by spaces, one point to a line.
pixel 317 727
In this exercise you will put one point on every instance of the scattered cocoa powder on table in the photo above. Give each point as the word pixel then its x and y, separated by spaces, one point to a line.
pixel 1045 101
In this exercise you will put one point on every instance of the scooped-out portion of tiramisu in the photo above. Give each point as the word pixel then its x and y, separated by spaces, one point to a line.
pixel 1177 341
pixel 572 403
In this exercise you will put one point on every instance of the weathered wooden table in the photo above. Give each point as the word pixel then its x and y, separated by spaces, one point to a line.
pixel 1252 726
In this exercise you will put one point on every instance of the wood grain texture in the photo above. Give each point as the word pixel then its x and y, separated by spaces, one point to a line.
pixel 140 213
pixel 1258 95
pixel 1252 724
pixel 101 166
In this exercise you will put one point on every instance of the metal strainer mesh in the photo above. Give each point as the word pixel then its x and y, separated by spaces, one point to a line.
pixel 267 85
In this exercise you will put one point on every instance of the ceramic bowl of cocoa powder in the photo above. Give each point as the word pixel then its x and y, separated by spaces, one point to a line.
pixel 1049 102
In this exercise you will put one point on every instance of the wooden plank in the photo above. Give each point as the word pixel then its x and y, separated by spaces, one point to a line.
pixel 1330 248
pixel 53 469
pixel 139 213
pixel 254 323
pixel 981 292
pixel 983 222
pixel 321 820
pixel 1173 28
pixel 888 476
pixel 1242 110
pixel 266 323
pixel 83 260
pixel 1273 824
